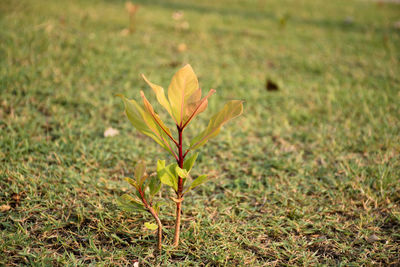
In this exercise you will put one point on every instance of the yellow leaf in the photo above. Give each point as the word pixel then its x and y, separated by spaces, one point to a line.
pixel 132 182
pixel 184 84
pixel 159 91
pixel 150 226
pixel 184 96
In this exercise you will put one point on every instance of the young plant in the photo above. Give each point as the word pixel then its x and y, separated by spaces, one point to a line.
pixel 132 9
pixel 146 188
pixel 183 104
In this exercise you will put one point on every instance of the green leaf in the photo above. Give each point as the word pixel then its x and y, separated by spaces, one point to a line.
pixel 231 110
pixel 150 226
pixel 131 199
pixel 154 185
pixel 145 124
pixel 198 181
pixel 189 162
pixel 181 172
pixel 158 205
pixel 134 183
pixel 167 174
pixel 131 204
pixel 129 208
pixel 139 173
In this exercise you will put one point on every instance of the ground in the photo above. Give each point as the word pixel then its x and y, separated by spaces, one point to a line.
pixel 308 175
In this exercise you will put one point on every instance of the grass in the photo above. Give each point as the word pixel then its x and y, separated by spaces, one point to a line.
pixel 309 175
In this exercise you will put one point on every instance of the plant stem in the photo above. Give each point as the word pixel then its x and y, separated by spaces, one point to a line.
pixel 177 224
pixel 154 213
pixel 179 192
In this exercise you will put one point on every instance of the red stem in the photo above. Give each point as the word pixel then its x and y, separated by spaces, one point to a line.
pixel 181 158
pixel 180 189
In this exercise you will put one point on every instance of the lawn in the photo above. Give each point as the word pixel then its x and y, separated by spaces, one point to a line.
pixel 308 175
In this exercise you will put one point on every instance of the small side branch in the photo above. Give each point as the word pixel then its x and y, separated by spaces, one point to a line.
pixel 159 233
pixel 155 215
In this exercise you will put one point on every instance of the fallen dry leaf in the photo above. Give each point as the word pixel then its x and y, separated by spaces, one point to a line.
pixel 177 15
pixel 124 32
pixel 110 132
pixel 373 238
pixel 182 47
pixel 4 208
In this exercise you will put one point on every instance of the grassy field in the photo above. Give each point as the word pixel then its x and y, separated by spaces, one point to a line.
pixel 309 175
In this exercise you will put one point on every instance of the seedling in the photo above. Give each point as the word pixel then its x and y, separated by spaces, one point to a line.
pixel 132 9
pixel 183 104
pixel 146 188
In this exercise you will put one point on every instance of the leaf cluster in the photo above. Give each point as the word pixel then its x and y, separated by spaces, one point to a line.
pixel 146 187
pixel 170 174
pixel 184 102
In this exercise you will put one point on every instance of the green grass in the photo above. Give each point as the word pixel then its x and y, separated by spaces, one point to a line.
pixel 306 176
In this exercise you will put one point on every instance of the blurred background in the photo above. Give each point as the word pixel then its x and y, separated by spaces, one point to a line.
pixel 308 174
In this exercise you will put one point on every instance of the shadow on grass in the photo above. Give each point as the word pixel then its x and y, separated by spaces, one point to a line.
pixel 327 24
